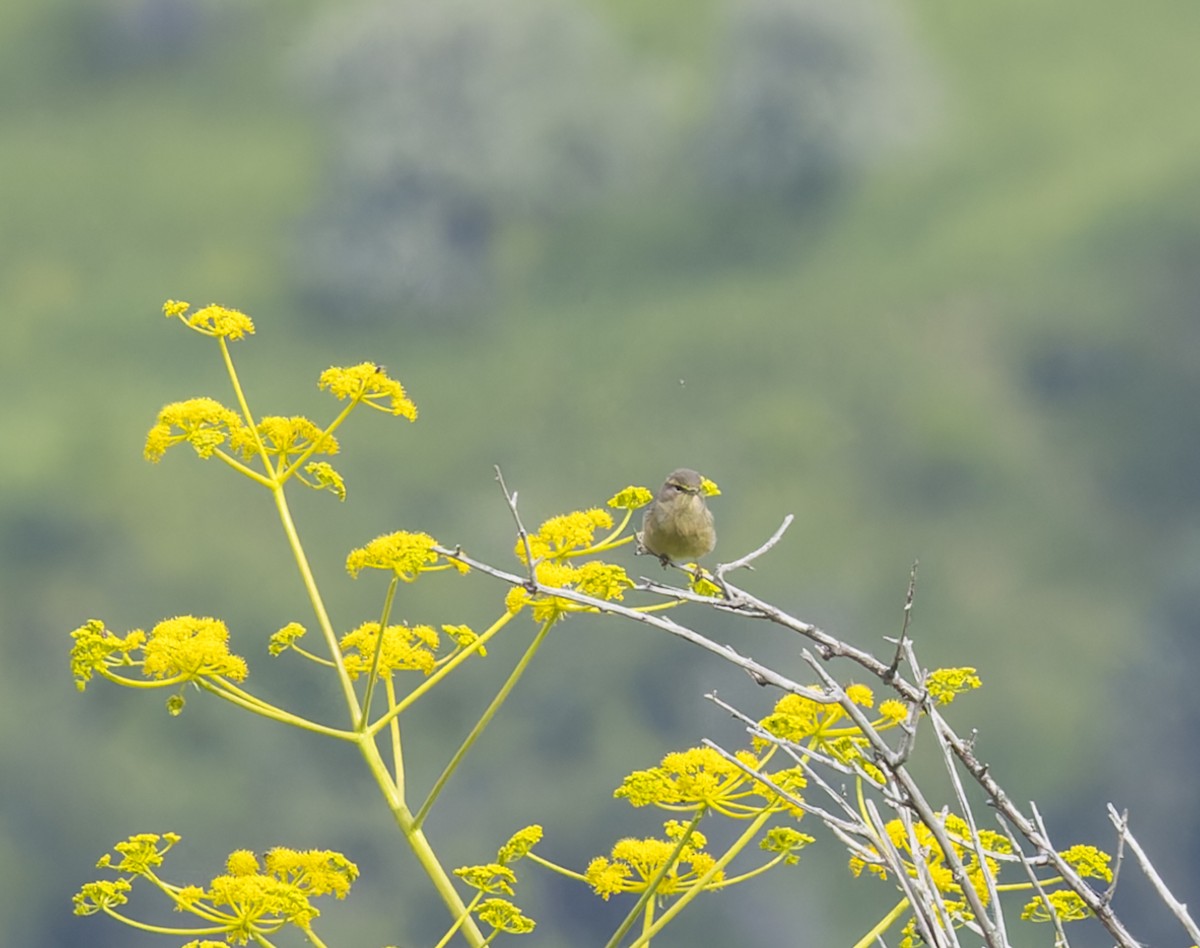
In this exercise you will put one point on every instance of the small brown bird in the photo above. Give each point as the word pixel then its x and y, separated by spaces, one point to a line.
pixel 678 525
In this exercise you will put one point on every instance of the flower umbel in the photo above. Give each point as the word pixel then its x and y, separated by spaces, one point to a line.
pixel 701 778
pixel 247 902
pixel 212 320
pixel 565 536
pixel 405 554
pixel 404 648
pixel 946 684
pixel 204 423
pixel 188 648
pixel 368 383
pixel 633 863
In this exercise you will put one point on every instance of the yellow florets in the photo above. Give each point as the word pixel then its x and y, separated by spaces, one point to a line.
pixel 406 554
pixel 634 862
pixel 631 498
pixel 368 383
pixel 189 647
pixel 702 778
pixel 204 423
pixel 1089 861
pixel 404 648
pixel 212 320
pixel 567 535
pixel 945 684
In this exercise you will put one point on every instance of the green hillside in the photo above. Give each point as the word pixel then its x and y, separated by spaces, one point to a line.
pixel 980 352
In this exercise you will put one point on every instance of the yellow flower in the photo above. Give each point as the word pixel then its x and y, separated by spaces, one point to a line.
pixel 787 842
pixel 212 320
pixel 519 844
pixel 861 695
pixel 893 711
pixel 189 647
pixel 368 383
pixel 404 648
pixel 635 861
pixel 796 717
pixel 945 684
pixel 606 878
pixel 140 853
pixel 215 320
pixel 1067 905
pixel 700 777
pixel 566 535
pixel 285 638
pixel 324 477
pixel 503 916
pixel 490 878
pixel 1089 861
pixel 406 554
pixel 631 498
pixel 316 871
pixel 242 862
pixel 286 438
pixel 202 422
pixel 603 580
pixel 96 649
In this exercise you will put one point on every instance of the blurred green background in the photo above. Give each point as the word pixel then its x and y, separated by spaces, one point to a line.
pixel 926 276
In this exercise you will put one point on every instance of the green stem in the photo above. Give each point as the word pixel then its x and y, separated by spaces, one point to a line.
pixel 318 604
pixel 484 720
pixel 701 884
pixel 883 925
pixel 373 677
pixel 650 892
pixel 419 843
pixel 441 673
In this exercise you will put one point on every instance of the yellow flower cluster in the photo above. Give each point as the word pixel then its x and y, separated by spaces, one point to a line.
pixel 923 845
pixel 702 778
pixel 828 728
pixel 633 863
pixel 185 648
pixel 369 384
pixel 286 438
pixel 247 902
pixel 568 535
pixel 411 648
pixel 403 553
pixel 945 684
pixel 212 320
pixel 204 423
pixel 496 877
pixel 597 579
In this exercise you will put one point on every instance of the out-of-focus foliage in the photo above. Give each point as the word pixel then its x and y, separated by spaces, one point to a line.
pixel 454 122
pixel 450 119
pixel 803 94
pixel 983 355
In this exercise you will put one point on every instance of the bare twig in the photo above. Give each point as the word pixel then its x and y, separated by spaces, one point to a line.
pixel 908 606
pixel 1178 909
pixel 757 670
pixel 1031 873
pixel 745 561
pixel 522 533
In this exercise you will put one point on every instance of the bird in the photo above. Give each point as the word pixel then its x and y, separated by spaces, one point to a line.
pixel 678 524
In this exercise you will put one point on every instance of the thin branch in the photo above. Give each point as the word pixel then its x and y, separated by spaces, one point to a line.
pixel 1178 909
pixel 968 814
pixel 755 669
pixel 908 606
pixel 522 533
pixel 1031 873
pixel 745 561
